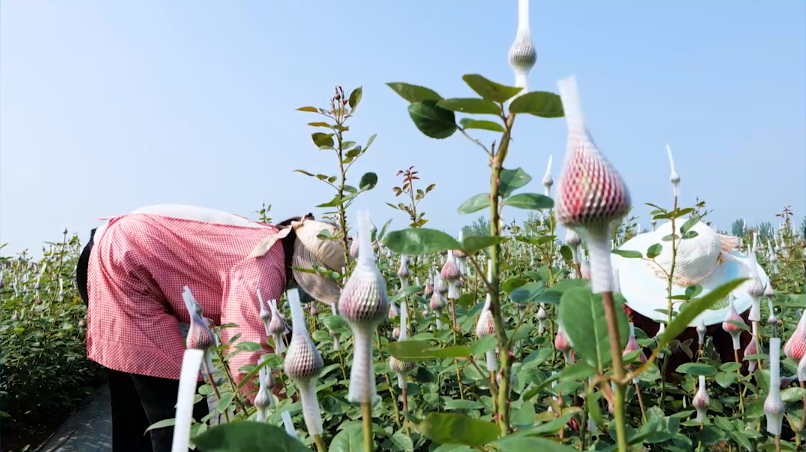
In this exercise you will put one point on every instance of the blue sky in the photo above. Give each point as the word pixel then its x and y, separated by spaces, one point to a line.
pixel 107 106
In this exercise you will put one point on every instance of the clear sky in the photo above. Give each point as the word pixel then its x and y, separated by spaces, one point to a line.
pixel 108 106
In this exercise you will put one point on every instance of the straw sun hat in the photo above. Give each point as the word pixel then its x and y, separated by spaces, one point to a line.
pixel 309 251
pixel 708 260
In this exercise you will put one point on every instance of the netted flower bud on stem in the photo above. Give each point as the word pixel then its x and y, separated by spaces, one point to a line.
pixel 403 272
pixel 753 348
pixel 335 335
pixel 303 364
pixel 264 399
pixel 773 405
pixel 659 334
pixel 451 274
pixel 701 400
pixel 485 327
pixel 773 259
pixel 755 288
pixel 795 346
pixel 363 304
pixel 393 311
pixel 402 368
pixel 590 193
pixel 437 302
pixel 542 316
pixel 429 289
pixel 277 328
pixel 701 330
pixel 547 180
pixel 522 53
pixel 632 345
pixel 563 344
pixel 730 326
pixel 674 178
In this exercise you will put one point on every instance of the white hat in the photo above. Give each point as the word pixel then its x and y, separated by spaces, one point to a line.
pixel 708 260
pixel 310 251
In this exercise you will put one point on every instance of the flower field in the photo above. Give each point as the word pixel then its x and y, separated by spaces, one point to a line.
pixel 508 336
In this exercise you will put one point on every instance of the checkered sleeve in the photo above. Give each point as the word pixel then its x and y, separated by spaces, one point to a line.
pixel 240 306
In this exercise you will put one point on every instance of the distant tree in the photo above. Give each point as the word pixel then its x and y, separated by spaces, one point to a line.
pixel 737 228
pixel 803 227
pixel 479 227
pixel 765 231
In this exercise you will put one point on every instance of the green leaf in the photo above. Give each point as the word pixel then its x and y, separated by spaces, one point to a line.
pixel 654 251
pixel 490 90
pixel 792 394
pixel 470 106
pixel 411 350
pixel 529 201
pixel 417 241
pixel 304 172
pixel 688 225
pixel 629 254
pixel 382 233
pixel 485 344
pixel 252 373
pixel 695 308
pixel 350 439
pixel 463 404
pixel 401 441
pixel 567 253
pixel 162 424
pixel 456 351
pixel 492 126
pixel 538 103
pixel 248 346
pixel 369 142
pixel 526 293
pixel 536 358
pixel 246 436
pixel 511 180
pixel 475 203
pixel 322 140
pixel 405 293
pixel 518 443
pixel 473 243
pixel 433 121
pixel 583 317
pixel 355 97
pixel 368 181
pixel 696 369
pixel 455 428
pixel 577 370
pixel 413 93
pixel 308 109
pixel 512 283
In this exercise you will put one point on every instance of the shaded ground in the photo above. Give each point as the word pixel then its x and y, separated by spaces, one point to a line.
pixel 88 430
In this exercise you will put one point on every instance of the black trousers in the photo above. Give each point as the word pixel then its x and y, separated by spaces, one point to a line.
pixel 138 401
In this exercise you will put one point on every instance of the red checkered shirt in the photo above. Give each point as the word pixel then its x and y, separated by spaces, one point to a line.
pixel 137 271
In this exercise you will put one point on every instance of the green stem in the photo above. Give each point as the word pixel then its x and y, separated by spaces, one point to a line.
pixel 320 445
pixel 618 370
pixel 366 415
pixel 495 252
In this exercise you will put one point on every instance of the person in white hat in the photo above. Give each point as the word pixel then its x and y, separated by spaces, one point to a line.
pixel 132 274
pixel 708 260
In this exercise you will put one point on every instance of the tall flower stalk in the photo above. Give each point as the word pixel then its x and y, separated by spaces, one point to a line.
pixel 303 364
pixel 590 198
pixel 364 305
